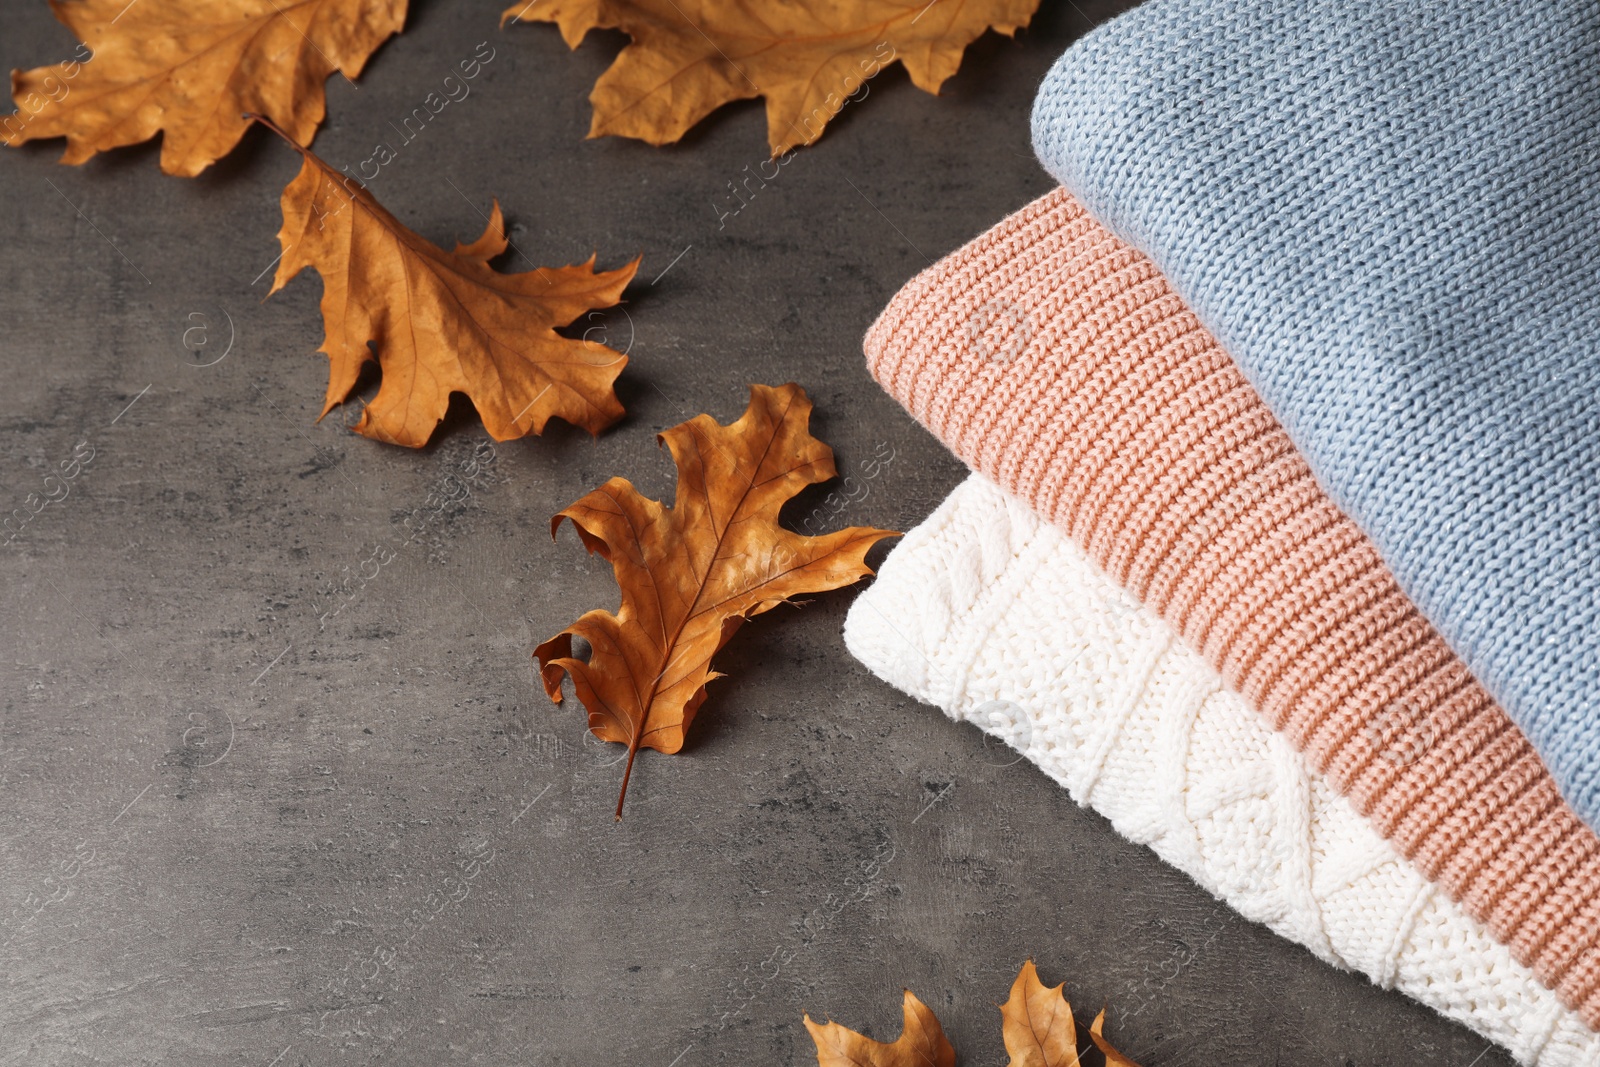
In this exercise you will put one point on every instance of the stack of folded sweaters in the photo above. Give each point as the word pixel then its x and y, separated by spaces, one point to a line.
pixel 1282 545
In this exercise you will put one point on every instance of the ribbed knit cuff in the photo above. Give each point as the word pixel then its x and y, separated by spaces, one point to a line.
pixel 1055 359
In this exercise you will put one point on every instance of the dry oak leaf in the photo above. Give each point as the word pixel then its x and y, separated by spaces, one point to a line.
pixel 190 70
pixel 691 573
pixel 445 322
pixel 921 1042
pixel 1037 1025
pixel 689 57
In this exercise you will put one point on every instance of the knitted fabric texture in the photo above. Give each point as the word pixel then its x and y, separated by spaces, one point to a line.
pixel 999 619
pixel 1386 213
pixel 1054 358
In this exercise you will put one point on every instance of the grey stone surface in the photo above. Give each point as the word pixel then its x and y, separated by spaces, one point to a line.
pixel 234 833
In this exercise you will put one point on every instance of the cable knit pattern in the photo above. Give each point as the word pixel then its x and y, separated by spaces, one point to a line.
pixel 1054 358
pixel 1386 213
pixel 1001 620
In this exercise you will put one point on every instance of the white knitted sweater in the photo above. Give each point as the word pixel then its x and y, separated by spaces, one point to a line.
pixel 995 616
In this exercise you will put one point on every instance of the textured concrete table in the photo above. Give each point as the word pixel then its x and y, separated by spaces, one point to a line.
pixel 233 832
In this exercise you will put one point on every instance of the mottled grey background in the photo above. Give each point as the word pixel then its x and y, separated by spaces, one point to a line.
pixel 231 835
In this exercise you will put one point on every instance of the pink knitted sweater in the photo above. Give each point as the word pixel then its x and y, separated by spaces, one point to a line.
pixel 1055 359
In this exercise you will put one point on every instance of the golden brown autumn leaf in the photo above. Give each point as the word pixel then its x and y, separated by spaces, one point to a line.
pixel 921 1042
pixel 1037 1024
pixel 691 573
pixel 445 322
pixel 689 57
pixel 190 69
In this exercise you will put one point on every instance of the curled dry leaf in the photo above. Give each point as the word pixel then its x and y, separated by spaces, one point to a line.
pixel 444 322
pixel 921 1042
pixel 691 573
pixel 689 57
pixel 1036 1023
pixel 190 70
pixel 1113 1057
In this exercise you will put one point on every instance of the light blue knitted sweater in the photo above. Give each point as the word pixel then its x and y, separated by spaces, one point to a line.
pixel 1389 214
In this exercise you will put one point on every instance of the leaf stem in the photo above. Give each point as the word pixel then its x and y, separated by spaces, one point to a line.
pixel 275 128
pixel 627 772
